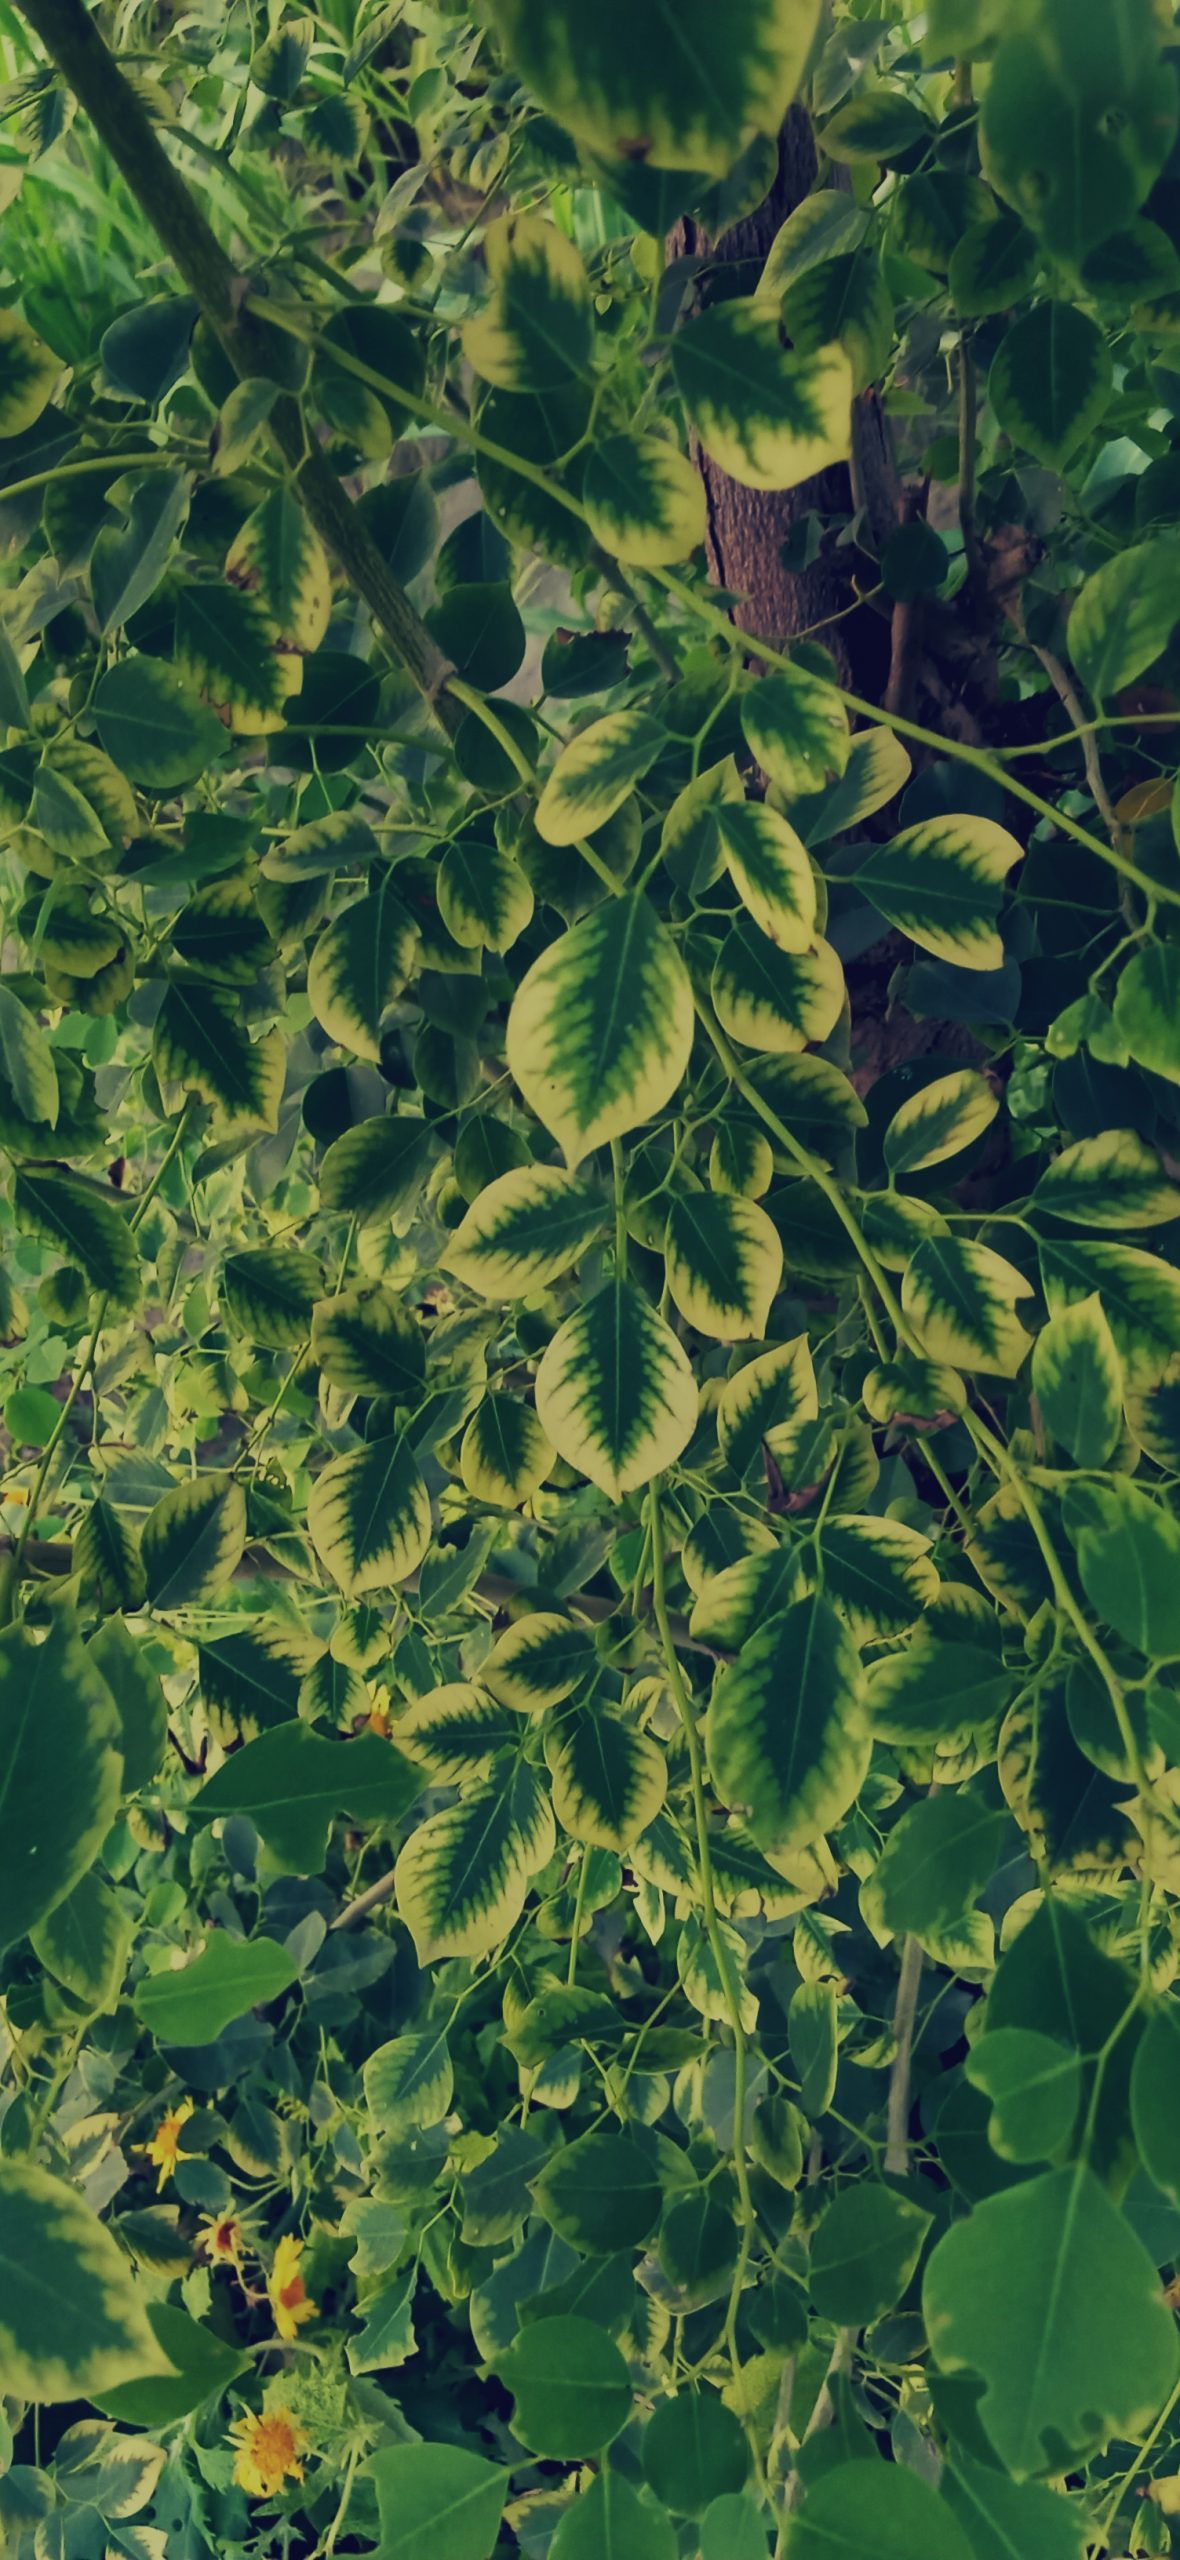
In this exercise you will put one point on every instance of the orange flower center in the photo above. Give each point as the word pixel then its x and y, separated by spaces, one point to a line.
pixel 292 2293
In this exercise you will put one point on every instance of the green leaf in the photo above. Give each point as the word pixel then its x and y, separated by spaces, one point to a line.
pixel 876 768
pixel 864 2250
pixel 463 1876
pixel 504 1456
pixel 153 724
pixel 1009 2294
pixel 359 966
pixel 1004 2518
pixel 536 330
pixel 625 87
pixel 1077 1377
pixel 1140 1295
pixel 204 2366
pixel 292 1783
pixel 409 2082
pixel 231 652
pixel 456 1731
pixel 724 1265
pixel 368 1516
pixel 1124 615
pixel 731 2529
pixel 376 1169
pixel 436 2502
pixel 26 1059
pixel 84 1942
pixel 484 898
pixel 939 1121
pixel 367 1343
pixel 768 1396
pixel 28 371
pixel 200 1044
pixel 846 301
pixel 1078 119
pixel 73 2320
pixel 193 1540
pixel 128 560
pixel 879 124
pixel 88 1231
pixel 1034 2084
pixel 693 2451
pixel 610 2522
pixel 959 1298
pixel 615 1393
pixel 1050 381
pixel 877 2506
pixel 601 1027
pixel 278 556
pixel 270 1294
pixel 768 417
pixel 59 1746
pixel 772 999
pixel 993 265
pixel 1128 1552
pixel 337 842
pixel 1112 1180
pixel 231 1976
pixel 538 1661
pixel 571 2388
pixel 594 774
pixel 644 502
pixel 794 721
pixel 787 1736
pixel 814 2048
pixel 524 1230
pixel 106 1554
pixel 935 1864
pixel 1155 2099
pixel 609 1779
pixel 601 2193
pixel 825 225
pixel 942 883
pixel 770 869
pixel 1147 1008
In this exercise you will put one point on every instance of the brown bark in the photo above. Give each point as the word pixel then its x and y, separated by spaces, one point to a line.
pixel 747 527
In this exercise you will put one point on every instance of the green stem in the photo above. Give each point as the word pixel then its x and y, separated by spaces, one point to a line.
pixel 571 1973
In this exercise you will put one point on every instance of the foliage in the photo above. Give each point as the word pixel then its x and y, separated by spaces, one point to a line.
pixel 589 1836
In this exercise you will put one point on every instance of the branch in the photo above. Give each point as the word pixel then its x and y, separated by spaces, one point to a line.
pixel 72 40
pixel 897 2148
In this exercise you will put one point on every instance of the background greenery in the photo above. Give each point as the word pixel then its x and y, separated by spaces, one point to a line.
pixel 590 1293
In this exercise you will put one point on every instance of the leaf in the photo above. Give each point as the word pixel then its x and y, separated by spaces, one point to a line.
pixel 436 2502
pixel 609 1779
pixel 106 1554
pixel 769 417
pixel 615 1393
pixel 376 1169
pixel 59 1748
pixel 827 224
pixel 624 89
pixel 128 561
pixel 787 1736
pixel 368 1516
pixel 1004 2518
pixel 153 724
pixel 1128 1550
pixel 28 372
pixel 88 1231
pixel 935 1864
pixel 270 1293
pixel 855 2500
pixel 193 1540
pixel 359 966
pixel 610 2522
pixel 1078 121
pixel 292 1783
pixel 601 1027
pixel 1112 1180
pixel 278 556
pixel 73 2321
pixel 456 1731
pixel 1050 381
pixel 536 330
pixel 1155 2099
pixel 26 1059
pixel 959 1298
pixel 1147 1008
pixel 993 265
pixel 84 1942
pixel 693 2451
pixel 484 898
pixel 201 1044
pixel 594 774
pixel 504 1455
pixel 875 769
pixel 463 1876
pixel 794 722
pixel 601 2193
pixel 1035 2085
pixel 845 302
pixel 942 883
pixel 1077 1378
pixel 203 2368
pixel 724 1265
pixel 1009 2295
pixel 524 1230
pixel 939 1121
pixel 1124 616
pixel 368 1344
pixel 231 652
pixel 772 999
pixel 538 1661
pixel 644 502
pixel 770 869
pixel 814 2049
pixel 409 2082
pixel 864 2250
pixel 230 1976
pixel 769 1395
pixel 1140 1297
pixel 570 2386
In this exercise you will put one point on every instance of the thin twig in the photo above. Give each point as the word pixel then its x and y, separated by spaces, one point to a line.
pixel 897 2147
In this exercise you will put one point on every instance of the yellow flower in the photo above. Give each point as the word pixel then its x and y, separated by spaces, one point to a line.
pixel 164 2148
pixel 268 2450
pixel 288 2295
pixel 223 2239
